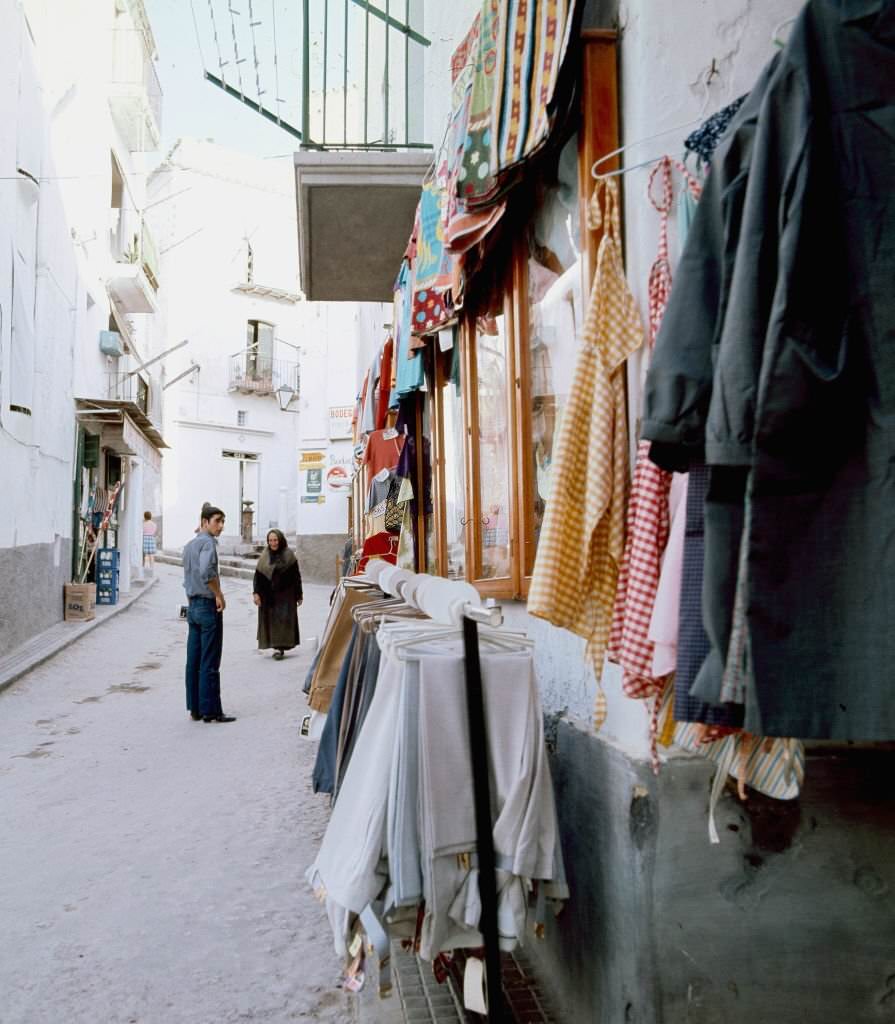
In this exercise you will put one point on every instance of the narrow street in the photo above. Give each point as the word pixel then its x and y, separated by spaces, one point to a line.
pixel 152 867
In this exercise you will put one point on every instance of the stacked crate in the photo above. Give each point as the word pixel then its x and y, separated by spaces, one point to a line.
pixel 107 569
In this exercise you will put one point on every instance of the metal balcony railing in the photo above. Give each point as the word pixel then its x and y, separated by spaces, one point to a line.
pixel 131 387
pixel 362 71
pixel 149 255
pixel 255 374
pixel 134 74
pixel 137 247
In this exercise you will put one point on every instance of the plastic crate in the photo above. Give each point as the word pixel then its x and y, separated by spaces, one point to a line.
pixel 107 597
pixel 108 558
pixel 107 577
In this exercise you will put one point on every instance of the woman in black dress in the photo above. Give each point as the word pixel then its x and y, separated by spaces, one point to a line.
pixel 277 593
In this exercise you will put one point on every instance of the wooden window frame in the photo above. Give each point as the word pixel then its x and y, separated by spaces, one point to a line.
pixel 598 134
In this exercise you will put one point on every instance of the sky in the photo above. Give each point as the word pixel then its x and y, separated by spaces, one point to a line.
pixel 195 107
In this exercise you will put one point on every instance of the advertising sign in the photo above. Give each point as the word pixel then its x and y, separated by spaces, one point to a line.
pixel 340 417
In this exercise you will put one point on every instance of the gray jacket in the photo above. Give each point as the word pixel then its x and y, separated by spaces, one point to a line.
pixel 801 391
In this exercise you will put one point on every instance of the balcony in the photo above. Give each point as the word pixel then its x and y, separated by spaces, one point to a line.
pixel 253 374
pixel 133 279
pixel 135 95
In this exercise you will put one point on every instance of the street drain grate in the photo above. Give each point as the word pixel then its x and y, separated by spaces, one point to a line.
pixel 425 1001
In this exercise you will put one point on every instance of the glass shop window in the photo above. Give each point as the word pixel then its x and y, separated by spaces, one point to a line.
pixel 555 311
pixel 494 462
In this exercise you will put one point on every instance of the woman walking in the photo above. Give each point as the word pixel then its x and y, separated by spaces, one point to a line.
pixel 277 593
pixel 149 531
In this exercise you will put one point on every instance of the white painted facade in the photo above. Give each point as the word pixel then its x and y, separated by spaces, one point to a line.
pixel 214 210
pixel 75 85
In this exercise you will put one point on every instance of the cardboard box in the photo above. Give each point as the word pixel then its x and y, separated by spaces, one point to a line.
pixel 80 602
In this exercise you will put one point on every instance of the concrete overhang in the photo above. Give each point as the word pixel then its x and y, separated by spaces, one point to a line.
pixel 355 216
pixel 130 288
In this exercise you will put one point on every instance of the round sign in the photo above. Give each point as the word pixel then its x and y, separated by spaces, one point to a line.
pixel 337 479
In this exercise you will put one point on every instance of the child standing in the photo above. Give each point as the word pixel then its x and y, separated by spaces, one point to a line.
pixel 149 532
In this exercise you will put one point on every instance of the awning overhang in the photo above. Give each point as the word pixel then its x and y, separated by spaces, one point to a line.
pixel 355 213
pixel 124 428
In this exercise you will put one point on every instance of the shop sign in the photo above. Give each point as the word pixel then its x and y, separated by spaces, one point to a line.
pixel 340 469
pixel 312 460
pixel 314 481
pixel 340 417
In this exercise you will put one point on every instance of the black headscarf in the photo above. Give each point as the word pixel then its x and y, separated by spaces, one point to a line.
pixel 272 562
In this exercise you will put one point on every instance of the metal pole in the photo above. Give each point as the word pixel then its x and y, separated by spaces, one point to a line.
pixel 478 743
pixel 388 32
pixel 325 61
pixel 306 74
pixel 366 67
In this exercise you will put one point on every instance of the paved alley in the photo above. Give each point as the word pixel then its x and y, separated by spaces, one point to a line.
pixel 151 867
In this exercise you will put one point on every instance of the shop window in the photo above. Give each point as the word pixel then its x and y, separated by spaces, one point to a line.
pixel 496 403
pixel 450 464
pixel 549 279
pixel 490 362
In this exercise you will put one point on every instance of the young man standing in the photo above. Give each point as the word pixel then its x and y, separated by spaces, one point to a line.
pixel 201 580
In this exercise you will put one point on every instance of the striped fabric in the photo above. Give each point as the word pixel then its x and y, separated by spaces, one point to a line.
pixel 582 537
pixel 522 44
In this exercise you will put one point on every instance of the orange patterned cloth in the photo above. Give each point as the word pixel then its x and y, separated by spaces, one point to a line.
pixel 583 535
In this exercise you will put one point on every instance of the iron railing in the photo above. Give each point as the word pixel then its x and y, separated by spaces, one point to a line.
pixel 136 247
pixel 256 374
pixel 134 72
pixel 131 387
pixel 392 51
pixel 361 68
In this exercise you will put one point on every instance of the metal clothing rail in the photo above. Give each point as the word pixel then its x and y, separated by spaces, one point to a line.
pixel 478 744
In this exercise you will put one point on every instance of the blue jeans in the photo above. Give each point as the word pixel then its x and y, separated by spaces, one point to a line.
pixel 204 647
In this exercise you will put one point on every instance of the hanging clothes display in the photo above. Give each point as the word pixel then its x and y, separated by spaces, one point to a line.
pixel 524 43
pixel 398 856
pixel 793 399
pixel 582 537
pixel 649 516
pixel 432 306
pixel 469 132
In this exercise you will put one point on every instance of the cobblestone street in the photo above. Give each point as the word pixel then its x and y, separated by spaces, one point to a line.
pixel 152 866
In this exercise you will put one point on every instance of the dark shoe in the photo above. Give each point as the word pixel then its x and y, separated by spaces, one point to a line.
pixel 218 718
pixel 278 655
pixel 195 716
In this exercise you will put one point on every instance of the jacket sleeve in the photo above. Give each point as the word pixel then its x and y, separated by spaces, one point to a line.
pixel 298 589
pixel 260 585
pixel 774 215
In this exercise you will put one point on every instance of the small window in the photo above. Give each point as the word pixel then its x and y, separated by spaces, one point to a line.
pixel 241 417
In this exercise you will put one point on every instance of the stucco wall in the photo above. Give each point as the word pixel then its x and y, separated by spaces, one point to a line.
pixel 790 918
pixel 31 597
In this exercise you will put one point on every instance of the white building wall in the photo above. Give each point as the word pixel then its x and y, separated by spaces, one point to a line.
pixel 208 205
pixel 55 125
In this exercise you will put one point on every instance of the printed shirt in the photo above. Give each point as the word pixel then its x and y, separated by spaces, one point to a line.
pixel 582 538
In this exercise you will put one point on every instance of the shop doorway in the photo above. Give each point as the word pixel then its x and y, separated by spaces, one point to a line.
pixel 243 494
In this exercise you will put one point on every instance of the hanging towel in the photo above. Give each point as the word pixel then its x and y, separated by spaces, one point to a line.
pixel 582 537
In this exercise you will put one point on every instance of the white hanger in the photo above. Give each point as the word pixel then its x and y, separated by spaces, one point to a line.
pixel 776 37
pixel 638 142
